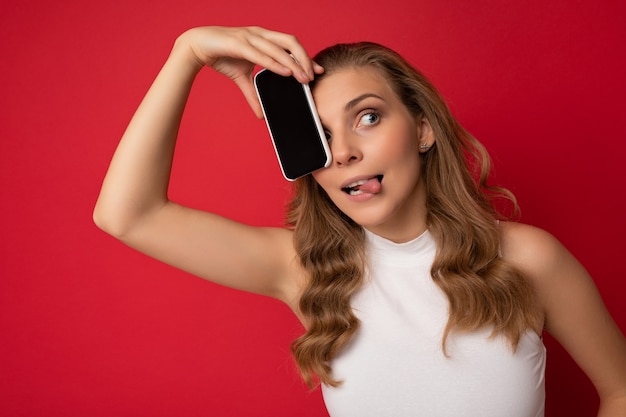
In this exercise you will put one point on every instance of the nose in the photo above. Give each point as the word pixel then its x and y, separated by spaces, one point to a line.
pixel 345 150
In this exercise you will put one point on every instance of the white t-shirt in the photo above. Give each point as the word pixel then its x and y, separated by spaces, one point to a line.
pixel 395 366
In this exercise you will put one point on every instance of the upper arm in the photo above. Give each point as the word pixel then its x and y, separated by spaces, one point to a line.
pixel 575 314
pixel 255 259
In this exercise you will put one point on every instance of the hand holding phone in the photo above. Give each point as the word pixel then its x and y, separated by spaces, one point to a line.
pixel 293 123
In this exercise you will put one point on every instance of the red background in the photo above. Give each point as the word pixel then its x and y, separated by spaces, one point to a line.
pixel 89 327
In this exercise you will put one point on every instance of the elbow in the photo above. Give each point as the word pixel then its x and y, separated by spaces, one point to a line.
pixel 109 223
pixel 100 220
pixel 121 221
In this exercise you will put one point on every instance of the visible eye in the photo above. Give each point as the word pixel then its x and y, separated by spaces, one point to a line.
pixel 369 118
pixel 328 135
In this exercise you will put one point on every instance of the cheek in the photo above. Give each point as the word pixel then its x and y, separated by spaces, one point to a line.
pixel 404 156
pixel 316 176
pixel 403 151
pixel 322 178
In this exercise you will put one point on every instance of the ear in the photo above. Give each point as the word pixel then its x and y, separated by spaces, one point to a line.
pixel 425 135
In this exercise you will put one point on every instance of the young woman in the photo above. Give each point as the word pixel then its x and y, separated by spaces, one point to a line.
pixel 416 299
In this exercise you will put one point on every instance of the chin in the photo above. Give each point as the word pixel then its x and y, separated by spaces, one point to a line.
pixel 369 221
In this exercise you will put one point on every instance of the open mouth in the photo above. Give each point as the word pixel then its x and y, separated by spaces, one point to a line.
pixel 371 185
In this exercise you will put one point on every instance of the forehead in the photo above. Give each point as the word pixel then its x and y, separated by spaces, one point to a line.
pixel 335 90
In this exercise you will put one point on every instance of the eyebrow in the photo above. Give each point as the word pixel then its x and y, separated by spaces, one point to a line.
pixel 352 103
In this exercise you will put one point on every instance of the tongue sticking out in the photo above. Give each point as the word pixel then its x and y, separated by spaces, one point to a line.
pixel 371 186
pixel 365 186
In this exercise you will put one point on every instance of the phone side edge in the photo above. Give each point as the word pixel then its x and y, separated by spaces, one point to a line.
pixel 318 124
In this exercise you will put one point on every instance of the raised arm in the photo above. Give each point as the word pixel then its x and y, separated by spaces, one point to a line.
pixel 133 204
pixel 574 312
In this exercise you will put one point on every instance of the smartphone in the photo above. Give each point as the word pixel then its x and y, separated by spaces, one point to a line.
pixel 293 123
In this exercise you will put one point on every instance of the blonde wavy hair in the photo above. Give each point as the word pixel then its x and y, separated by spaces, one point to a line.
pixel 482 289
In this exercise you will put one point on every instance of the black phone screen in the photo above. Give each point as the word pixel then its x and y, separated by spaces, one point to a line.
pixel 299 144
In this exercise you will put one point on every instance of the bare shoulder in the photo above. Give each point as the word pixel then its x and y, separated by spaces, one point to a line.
pixel 560 281
pixel 553 271
pixel 531 249
pixel 525 242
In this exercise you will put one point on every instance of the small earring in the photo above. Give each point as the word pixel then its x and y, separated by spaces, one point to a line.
pixel 424 146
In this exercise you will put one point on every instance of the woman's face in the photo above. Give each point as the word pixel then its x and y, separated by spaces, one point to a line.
pixel 374 177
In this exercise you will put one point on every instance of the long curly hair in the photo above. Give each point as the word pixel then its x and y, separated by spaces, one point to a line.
pixel 482 289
